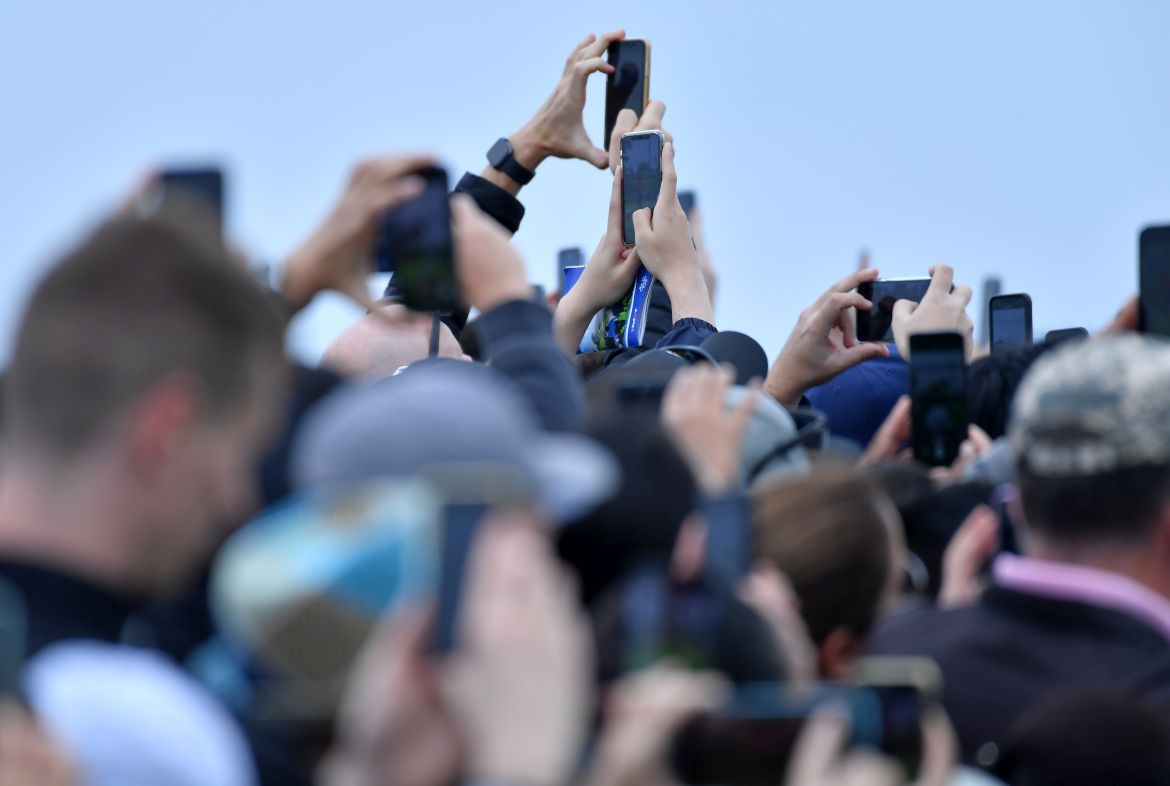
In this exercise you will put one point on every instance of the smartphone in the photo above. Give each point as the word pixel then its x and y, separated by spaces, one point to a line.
pixel 688 200
pixel 1154 285
pixel 628 87
pixel 201 186
pixel 904 689
pixel 1010 317
pixel 470 491
pixel 938 397
pixel 662 619
pixel 992 286
pixel 641 176
pixel 568 257
pixel 415 244
pixel 1054 337
pixel 13 630
pixel 877 323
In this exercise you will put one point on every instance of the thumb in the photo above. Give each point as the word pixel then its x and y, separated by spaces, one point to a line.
pixel 642 226
pixel 598 157
pixel 859 353
pixel 903 309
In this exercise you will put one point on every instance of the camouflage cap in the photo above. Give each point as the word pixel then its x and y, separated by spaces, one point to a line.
pixel 1095 407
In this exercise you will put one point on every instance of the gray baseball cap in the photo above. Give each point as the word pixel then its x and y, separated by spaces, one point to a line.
pixel 450 415
pixel 1095 407
pixel 770 448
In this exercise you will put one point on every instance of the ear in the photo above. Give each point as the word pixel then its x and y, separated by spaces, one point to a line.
pixel 837 654
pixel 159 420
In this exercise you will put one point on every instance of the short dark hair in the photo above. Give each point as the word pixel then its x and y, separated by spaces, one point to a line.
pixel 828 533
pixel 1124 506
pixel 137 300
pixel 992 382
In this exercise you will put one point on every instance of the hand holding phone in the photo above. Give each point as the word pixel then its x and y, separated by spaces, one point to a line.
pixel 877 323
pixel 943 309
pixel 416 246
pixel 938 397
pixel 641 177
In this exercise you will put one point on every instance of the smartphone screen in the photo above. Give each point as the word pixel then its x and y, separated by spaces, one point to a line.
pixel 203 186
pixel 628 87
pixel 1154 266
pixel 1011 321
pixel 461 521
pixel 877 324
pixel 416 246
pixel 688 200
pixel 641 176
pixel 664 620
pixel 938 392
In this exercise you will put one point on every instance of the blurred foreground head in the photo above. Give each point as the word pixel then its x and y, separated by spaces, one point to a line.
pixel 145 376
pixel 837 537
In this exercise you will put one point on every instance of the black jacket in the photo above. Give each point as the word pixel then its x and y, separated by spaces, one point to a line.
pixel 1013 648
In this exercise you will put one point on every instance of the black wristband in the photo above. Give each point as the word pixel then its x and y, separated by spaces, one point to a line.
pixel 501 157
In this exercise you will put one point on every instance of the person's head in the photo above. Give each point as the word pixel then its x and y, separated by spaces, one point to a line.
pixel 1087 738
pixel 375 346
pixel 837 538
pixel 992 382
pixel 1093 450
pixel 145 377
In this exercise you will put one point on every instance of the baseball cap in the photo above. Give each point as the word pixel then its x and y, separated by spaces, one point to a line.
pixel 1093 408
pixel 771 443
pixel 741 352
pixel 298 590
pixel 446 414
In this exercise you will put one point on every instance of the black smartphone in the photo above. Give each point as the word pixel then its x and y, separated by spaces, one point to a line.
pixel 628 87
pixel 470 490
pixel 992 286
pixel 904 689
pixel 13 632
pixel 1054 337
pixel 688 200
pixel 877 323
pixel 568 257
pixel 1010 317
pixel 1154 285
pixel 641 176
pixel 415 245
pixel 938 394
pixel 202 186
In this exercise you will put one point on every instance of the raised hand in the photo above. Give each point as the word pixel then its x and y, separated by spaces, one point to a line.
pixel 942 310
pixel 824 342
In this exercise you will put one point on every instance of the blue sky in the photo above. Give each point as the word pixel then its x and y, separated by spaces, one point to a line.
pixel 1028 139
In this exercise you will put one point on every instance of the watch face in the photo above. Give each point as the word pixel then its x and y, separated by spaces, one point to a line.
pixel 499 153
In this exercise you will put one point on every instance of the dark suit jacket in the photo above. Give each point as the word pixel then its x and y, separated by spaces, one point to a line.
pixel 1012 648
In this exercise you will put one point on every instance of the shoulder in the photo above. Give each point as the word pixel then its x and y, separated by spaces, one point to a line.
pixel 131 716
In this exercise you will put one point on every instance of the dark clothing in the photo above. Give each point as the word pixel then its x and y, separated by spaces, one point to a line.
pixel 60 607
pixel 662 331
pixel 516 339
pixel 859 399
pixel 493 200
pixel 1012 648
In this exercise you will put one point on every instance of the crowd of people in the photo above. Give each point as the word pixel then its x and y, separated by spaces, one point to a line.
pixel 481 557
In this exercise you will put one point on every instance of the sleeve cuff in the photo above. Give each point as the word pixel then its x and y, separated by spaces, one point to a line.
pixel 493 200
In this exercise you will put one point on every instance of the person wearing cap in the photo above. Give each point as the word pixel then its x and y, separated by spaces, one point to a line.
pixel 1088 603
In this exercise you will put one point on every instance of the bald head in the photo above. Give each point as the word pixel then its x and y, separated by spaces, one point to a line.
pixel 374 347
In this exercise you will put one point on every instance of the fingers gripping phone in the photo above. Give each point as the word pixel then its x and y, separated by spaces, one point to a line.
pixel 1154 272
pixel 877 324
pixel 1010 317
pixel 641 176
pixel 416 245
pixel 628 87
pixel 938 397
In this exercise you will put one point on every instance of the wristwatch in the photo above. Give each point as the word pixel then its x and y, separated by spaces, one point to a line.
pixel 501 158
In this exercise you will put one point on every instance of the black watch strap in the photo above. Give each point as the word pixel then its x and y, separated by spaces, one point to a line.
pixel 500 157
